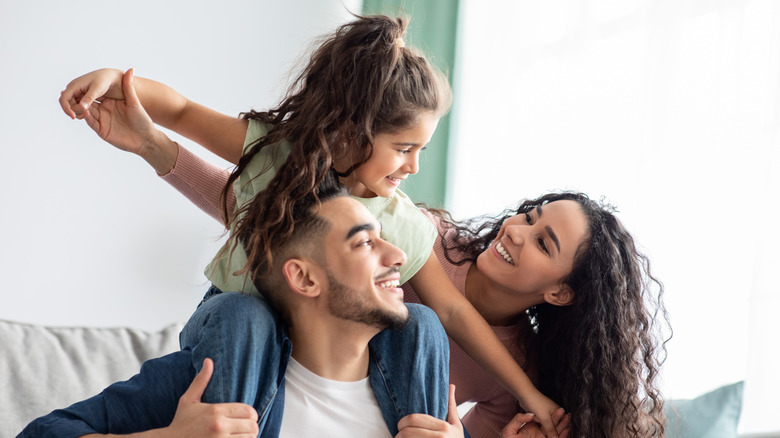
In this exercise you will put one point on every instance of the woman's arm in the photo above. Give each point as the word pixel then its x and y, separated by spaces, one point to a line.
pixel 472 333
pixel 201 182
pixel 217 132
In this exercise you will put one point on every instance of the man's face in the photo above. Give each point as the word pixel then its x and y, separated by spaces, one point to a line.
pixel 361 267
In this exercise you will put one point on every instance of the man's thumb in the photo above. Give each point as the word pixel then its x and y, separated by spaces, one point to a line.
pixel 199 383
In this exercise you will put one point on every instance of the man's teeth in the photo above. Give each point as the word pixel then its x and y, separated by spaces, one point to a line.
pixel 504 253
pixel 390 283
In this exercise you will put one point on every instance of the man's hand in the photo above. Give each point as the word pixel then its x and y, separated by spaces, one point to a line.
pixel 421 425
pixel 194 418
pixel 523 426
pixel 202 420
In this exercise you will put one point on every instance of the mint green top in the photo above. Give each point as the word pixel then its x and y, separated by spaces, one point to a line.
pixel 403 224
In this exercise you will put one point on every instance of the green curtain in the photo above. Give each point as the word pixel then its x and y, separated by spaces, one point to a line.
pixel 432 29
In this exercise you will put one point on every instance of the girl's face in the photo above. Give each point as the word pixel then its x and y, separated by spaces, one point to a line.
pixel 395 157
pixel 534 251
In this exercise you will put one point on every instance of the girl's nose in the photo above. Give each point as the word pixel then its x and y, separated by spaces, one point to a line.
pixel 412 163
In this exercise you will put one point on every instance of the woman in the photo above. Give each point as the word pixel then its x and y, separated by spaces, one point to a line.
pixel 561 282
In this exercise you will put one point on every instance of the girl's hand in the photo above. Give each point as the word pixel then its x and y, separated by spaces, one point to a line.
pixel 546 412
pixel 421 425
pixel 126 125
pixel 78 96
pixel 523 426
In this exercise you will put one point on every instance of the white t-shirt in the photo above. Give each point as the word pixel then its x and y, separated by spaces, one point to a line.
pixel 314 406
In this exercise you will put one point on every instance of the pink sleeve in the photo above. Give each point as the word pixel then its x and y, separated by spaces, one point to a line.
pixel 201 182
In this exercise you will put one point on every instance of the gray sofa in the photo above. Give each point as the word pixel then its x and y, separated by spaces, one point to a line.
pixel 45 368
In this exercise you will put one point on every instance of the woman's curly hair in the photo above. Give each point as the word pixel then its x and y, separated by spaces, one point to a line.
pixel 359 82
pixel 599 357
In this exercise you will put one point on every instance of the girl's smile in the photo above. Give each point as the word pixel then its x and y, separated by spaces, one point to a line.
pixel 396 156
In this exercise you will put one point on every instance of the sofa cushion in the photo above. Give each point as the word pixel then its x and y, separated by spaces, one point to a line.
pixel 45 368
pixel 711 415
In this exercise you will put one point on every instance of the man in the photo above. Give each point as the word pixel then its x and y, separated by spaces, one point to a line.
pixel 335 285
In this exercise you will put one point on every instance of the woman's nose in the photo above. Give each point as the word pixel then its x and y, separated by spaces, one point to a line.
pixel 517 234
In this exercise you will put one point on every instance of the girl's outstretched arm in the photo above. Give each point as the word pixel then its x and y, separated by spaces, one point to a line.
pixel 126 125
pixel 473 334
pixel 221 134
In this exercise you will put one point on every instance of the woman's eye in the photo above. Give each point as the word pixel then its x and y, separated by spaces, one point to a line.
pixel 543 246
pixel 528 218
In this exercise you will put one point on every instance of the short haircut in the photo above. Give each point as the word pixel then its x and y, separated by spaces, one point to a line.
pixel 306 239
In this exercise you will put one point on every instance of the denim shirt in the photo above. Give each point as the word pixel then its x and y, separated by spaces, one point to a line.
pixel 408 371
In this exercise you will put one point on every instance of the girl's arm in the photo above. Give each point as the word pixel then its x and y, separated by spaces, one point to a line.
pixel 126 125
pixel 217 132
pixel 472 333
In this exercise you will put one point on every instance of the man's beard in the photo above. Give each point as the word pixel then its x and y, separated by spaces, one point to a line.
pixel 347 303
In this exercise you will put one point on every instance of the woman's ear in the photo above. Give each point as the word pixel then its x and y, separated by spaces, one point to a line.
pixel 561 295
pixel 301 277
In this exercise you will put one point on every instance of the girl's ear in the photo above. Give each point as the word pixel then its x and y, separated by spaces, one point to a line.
pixel 562 295
pixel 301 277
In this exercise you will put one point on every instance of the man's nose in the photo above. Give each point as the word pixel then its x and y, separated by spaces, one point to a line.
pixel 393 255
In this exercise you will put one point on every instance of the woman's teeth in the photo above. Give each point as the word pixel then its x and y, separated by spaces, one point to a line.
pixel 504 253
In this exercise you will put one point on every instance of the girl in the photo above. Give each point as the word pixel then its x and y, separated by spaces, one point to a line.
pixel 365 106
pixel 561 283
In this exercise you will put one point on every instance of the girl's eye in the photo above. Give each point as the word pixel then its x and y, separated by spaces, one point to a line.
pixel 528 218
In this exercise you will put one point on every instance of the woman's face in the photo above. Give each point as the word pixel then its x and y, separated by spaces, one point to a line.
pixel 534 251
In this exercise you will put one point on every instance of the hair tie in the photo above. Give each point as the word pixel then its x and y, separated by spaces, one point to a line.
pixel 400 42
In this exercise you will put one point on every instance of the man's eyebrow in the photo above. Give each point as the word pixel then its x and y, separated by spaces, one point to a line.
pixel 552 234
pixel 358 228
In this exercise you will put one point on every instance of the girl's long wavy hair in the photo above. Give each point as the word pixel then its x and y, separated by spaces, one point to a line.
pixel 359 82
pixel 599 357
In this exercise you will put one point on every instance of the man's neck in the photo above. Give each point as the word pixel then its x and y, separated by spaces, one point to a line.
pixel 332 351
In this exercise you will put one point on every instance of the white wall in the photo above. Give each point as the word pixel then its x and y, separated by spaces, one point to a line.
pixel 90 236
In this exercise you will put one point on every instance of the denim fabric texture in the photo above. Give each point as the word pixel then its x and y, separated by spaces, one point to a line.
pixel 408 370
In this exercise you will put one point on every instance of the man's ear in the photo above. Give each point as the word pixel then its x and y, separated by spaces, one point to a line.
pixel 301 277
pixel 561 295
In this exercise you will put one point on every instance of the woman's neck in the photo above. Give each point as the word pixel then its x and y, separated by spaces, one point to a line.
pixel 498 306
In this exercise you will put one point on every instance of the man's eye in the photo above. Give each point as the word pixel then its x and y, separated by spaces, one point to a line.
pixel 367 242
pixel 405 151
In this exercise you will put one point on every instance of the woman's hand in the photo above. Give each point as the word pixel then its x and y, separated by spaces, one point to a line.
pixel 523 426
pixel 421 425
pixel 126 125
pixel 78 96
